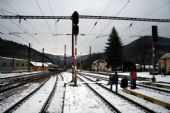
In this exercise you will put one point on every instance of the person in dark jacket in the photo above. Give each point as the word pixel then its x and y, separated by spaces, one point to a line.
pixel 124 82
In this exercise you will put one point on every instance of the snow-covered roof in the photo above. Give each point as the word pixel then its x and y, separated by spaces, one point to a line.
pixel 8 58
pixel 38 64
pixel 99 60
pixel 167 55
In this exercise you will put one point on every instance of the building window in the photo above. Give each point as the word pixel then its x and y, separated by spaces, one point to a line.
pixel 4 64
pixel 11 64
pixel 22 65
pixel 17 64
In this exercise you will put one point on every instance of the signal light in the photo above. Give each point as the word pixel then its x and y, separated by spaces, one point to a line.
pixel 75 18
pixel 75 21
pixel 155 33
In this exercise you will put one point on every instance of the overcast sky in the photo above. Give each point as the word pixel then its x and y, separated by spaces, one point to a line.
pixel 41 33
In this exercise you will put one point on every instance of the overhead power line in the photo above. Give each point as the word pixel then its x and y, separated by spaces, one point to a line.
pixel 11 6
pixel 52 13
pixel 43 15
pixel 21 27
pixel 106 26
pixel 4 10
pixel 151 13
pixel 107 6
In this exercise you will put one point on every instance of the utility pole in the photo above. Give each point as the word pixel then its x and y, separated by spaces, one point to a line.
pixel 43 59
pixel 64 56
pixel 29 56
pixel 13 59
pixel 90 57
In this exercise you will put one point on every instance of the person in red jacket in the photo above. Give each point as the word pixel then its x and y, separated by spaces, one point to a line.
pixel 133 75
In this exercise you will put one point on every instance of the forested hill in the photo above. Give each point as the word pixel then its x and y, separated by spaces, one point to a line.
pixel 140 50
pixel 13 49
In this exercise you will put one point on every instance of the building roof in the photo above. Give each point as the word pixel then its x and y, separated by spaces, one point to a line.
pixel 167 55
pixel 8 58
pixel 38 64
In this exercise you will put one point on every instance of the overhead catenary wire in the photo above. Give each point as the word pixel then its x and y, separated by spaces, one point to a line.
pixel 9 33
pixel 106 26
pixel 43 15
pixel 4 10
pixel 49 4
pixel 107 6
pixel 13 14
pixel 11 6
pixel 52 13
pixel 14 38
pixel 14 21
pixel 96 22
pixel 24 29
pixel 20 24
pixel 151 13
pixel 45 19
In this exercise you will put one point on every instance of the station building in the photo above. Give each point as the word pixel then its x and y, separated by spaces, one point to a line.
pixel 14 65
pixel 10 64
pixel 164 63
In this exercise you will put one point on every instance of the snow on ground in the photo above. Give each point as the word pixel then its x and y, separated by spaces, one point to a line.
pixel 5 75
pixel 35 103
pixel 18 95
pixel 159 78
pixel 57 101
pixel 156 108
pixel 77 99
pixel 122 105
pixel 80 100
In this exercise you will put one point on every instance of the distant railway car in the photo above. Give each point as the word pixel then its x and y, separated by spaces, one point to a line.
pixel 53 67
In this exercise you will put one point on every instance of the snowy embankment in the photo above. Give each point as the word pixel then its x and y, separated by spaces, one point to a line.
pixel 6 75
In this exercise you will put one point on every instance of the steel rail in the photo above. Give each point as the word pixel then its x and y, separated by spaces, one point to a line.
pixel 122 96
pixel 141 85
pixel 9 87
pixel 113 108
pixel 13 107
pixel 48 101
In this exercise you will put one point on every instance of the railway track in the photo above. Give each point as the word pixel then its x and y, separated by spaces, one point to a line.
pixel 13 79
pixel 125 101
pixel 157 89
pixel 21 81
pixel 113 108
pixel 18 105
pixel 49 99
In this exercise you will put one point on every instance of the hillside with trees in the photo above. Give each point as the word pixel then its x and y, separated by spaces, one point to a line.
pixel 140 50
pixel 12 49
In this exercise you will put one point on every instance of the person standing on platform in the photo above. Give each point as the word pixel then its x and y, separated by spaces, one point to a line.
pixel 133 75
